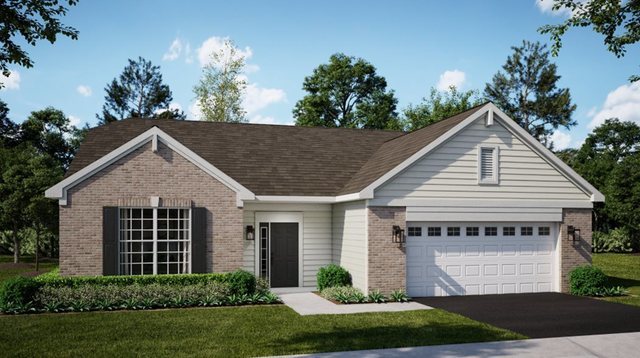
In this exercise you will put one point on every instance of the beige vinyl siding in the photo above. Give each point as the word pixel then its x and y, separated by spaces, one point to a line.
pixel 248 254
pixel 350 240
pixel 316 235
pixel 451 172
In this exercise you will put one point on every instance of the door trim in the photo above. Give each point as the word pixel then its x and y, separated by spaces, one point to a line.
pixel 281 217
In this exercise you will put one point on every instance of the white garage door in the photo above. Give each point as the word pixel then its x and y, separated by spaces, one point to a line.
pixel 480 258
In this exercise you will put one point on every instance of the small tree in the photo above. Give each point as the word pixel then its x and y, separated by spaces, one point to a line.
pixel 438 106
pixel 222 86
pixel 139 93
pixel 527 91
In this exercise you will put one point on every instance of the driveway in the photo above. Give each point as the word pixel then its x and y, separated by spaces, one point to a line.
pixel 543 315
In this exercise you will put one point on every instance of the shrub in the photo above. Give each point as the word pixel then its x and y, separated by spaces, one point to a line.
pixel 399 296
pixel 586 280
pixel 333 276
pixel 241 282
pixel 617 240
pixel 343 294
pixel 18 291
pixel 376 297
pixel 611 291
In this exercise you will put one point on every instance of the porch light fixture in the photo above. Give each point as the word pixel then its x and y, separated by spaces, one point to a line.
pixel 573 233
pixel 250 232
pixel 397 234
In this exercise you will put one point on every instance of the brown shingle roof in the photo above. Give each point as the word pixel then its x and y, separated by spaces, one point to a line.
pixel 278 160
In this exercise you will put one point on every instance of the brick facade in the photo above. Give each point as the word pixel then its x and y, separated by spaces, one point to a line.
pixel 133 180
pixel 386 260
pixel 578 253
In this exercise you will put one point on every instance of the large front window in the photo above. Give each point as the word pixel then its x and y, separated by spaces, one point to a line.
pixel 154 241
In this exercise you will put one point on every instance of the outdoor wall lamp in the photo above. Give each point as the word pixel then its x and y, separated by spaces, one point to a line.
pixel 573 233
pixel 250 232
pixel 397 234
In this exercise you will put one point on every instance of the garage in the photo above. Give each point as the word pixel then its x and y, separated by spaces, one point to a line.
pixel 446 259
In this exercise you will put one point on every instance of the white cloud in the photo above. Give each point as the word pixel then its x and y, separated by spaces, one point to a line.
pixel 74 121
pixel 546 7
pixel 175 49
pixel 84 90
pixel 451 78
pixel 214 44
pixel 188 56
pixel 195 111
pixel 257 98
pixel 560 140
pixel 622 103
pixel 258 119
pixel 10 82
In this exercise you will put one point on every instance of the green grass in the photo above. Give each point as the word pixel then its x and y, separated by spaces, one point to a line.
pixel 7 271
pixel 623 270
pixel 232 331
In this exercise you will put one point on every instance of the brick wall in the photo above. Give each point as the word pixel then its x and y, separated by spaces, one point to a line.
pixel 387 262
pixel 134 178
pixel 578 253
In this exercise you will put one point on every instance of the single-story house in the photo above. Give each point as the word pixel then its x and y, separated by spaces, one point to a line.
pixel 469 205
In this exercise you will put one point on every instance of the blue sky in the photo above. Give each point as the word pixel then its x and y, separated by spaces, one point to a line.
pixel 414 44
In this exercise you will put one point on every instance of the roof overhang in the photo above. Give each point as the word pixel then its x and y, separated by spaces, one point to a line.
pixel 493 114
pixel 153 135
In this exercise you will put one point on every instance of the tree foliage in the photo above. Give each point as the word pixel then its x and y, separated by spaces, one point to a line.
pixel 220 90
pixel 347 92
pixel 609 159
pixel 138 93
pixel 617 21
pixel 527 91
pixel 29 21
pixel 437 106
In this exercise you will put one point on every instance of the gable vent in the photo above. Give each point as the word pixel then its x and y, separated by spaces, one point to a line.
pixel 487 165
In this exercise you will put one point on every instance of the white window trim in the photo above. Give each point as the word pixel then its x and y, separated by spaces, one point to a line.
pixel 155 238
pixel 496 165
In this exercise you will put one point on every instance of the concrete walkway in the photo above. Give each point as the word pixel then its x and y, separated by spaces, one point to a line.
pixel 605 345
pixel 309 304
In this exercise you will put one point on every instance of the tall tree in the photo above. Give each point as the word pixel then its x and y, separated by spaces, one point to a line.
pixel 50 132
pixel 437 106
pixel 527 91
pixel 347 92
pixel 24 176
pixel 220 90
pixel 8 129
pixel 138 93
pixel 29 21
pixel 617 21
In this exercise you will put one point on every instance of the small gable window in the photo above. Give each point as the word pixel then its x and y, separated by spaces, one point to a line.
pixel 488 164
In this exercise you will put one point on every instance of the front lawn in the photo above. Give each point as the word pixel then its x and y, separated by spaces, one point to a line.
pixel 623 270
pixel 232 331
pixel 26 267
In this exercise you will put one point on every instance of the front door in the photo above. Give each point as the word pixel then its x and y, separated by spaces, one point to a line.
pixel 284 254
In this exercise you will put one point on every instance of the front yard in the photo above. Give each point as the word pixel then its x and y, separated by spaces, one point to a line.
pixel 256 330
pixel 232 331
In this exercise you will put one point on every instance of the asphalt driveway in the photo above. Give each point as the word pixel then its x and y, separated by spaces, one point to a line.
pixel 543 315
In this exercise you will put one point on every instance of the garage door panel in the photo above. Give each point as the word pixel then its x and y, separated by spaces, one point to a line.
pixel 460 265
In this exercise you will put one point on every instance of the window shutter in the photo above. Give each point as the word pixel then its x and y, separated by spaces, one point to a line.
pixel 110 240
pixel 486 164
pixel 199 240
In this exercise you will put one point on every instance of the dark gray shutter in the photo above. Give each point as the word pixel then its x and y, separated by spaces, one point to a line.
pixel 109 240
pixel 198 240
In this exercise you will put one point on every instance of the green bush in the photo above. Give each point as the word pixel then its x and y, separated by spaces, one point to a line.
pixel 587 280
pixel 376 297
pixel 332 276
pixel 52 293
pixel 18 291
pixel 343 294
pixel 399 296
pixel 617 240
pixel 241 282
